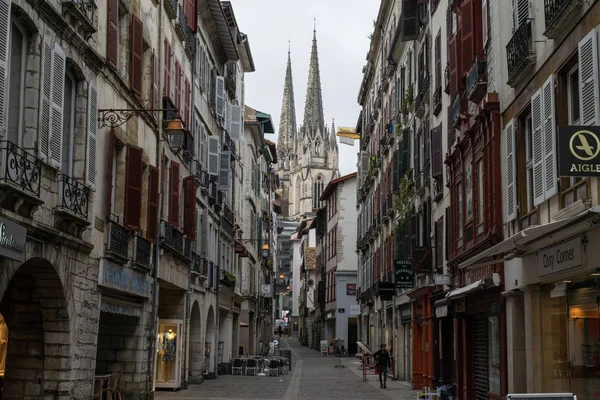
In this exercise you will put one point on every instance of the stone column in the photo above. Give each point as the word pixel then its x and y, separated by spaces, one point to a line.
pixel 533 338
pixel 516 343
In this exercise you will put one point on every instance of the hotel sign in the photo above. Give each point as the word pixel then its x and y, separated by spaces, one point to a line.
pixel 560 257
pixel 123 279
pixel 578 151
pixel 13 240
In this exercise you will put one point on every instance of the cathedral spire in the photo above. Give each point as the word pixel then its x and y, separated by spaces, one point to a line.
pixel 313 109
pixel 333 141
pixel 287 122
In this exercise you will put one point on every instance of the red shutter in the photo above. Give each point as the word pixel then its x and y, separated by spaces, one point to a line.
pixel 112 33
pixel 177 79
pixel 187 104
pixel 191 14
pixel 137 48
pixel 467 40
pixel 167 82
pixel 152 204
pixel 111 152
pixel 189 207
pixel 174 200
pixel 133 189
pixel 452 66
pixel 163 182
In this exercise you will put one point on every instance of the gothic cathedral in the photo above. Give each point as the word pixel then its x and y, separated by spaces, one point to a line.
pixel 308 155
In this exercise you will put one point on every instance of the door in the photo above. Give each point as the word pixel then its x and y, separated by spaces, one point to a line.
pixel 480 358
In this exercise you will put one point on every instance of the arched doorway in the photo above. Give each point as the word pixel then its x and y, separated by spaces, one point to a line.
pixel 196 348
pixel 210 345
pixel 38 350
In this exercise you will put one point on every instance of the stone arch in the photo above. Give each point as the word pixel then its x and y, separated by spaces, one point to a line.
pixel 38 356
pixel 196 345
pixel 211 339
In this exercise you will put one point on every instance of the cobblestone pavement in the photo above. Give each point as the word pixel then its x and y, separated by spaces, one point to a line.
pixel 313 377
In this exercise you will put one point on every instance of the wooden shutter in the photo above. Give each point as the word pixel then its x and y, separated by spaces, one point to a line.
pixel 538 148
pixel 177 88
pixel 452 67
pixel 154 90
pixel 109 169
pixel 56 113
pixel 410 20
pixel 511 172
pixel 449 234
pixel 5 6
pixel 438 59
pixel 225 170
pixel 220 96
pixel 205 234
pixel 213 155
pixel 191 14
pixel 92 136
pixel 45 101
pixel 187 104
pixel 439 244
pixel 202 140
pixel 174 195
pixel 152 218
pixel 467 39
pixel 112 33
pixel 549 133
pixel 199 232
pixel 133 187
pixel 235 122
pixel 167 60
pixel 189 207
pixel 436 151
pixel 588 79
pixel 137 49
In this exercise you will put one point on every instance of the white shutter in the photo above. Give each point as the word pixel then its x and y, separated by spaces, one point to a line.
pixel 235 122
pixel 220 96
pixel 4 34
pixel 202 156
pixel 538 148
pixel 92 139
pixel 549 129
pixel 520 12
pixel 588 79
pixel 56 113
pixel 204 234
pixel 45 100
pixel 155 74
pixel 213 155
pixel 197 248
pixel 511 173
pixel 225 170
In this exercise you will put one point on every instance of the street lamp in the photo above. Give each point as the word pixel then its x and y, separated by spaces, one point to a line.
pixel 265 250
pixel 281 276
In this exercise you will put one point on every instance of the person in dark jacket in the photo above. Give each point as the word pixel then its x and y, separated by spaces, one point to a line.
pixel 383 361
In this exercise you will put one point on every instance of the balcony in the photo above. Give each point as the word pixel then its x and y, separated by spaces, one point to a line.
pixel 477 79
pixel 204 182
pixel 20 179
pixel 142 253
pixel 228 214
pixel 227 279
pixel 169 110
pixel 197 171
pixel 423 95
pixel 172 239
pixel 229 144
pixel 190 42
pixel 456 109
pixel 437 101
pixel 180 23
pixel 171 8
pixel 199 266
pixel 519 54
pixel 117 249
pixel 82 15
pixel 72 209
pixel 560 16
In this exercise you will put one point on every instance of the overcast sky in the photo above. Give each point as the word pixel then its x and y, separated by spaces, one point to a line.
pixel 343 27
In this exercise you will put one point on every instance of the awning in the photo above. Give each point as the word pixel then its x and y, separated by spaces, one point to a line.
pixel 122 307
pixel 520 243
pixel 244 325
pixel 463 291
pixel 364 348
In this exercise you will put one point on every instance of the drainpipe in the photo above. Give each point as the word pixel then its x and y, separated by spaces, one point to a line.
pixel 153 321
pixel 218 283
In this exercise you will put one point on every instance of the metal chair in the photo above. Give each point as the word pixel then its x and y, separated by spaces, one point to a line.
pixel 273 367
pixel 237 366
pixel 251 366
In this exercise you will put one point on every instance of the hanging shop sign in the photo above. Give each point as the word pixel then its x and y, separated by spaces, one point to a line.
pixel 351 289
pixel 578 151
pixel 265 290
pixel 442 280
pixel 123 279
pixel 403 272
pixel 560 257
pixel 421 259
pixel 386 290
pixel 13 239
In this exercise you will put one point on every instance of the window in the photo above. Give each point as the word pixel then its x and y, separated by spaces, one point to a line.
pixel 459 209
pixel 68 124
pixel 480 189
pixel 469 189
pixel 529 162
pixel 484 21
pixel 16 74
pixel 494 354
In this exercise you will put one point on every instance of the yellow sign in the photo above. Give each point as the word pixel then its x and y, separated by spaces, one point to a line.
pixel 346 131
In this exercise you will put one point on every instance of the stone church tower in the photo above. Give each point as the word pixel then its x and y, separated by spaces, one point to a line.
pixel 308 155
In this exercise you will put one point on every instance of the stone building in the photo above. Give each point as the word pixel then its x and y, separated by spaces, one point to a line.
pixel 308 154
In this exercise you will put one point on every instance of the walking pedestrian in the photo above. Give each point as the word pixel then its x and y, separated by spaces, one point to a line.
pixel 280 331
pixel 383 361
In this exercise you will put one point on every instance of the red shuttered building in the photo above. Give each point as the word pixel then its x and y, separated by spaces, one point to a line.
pixel 475 217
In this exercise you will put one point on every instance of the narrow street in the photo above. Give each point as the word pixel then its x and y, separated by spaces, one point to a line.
pixel 313 377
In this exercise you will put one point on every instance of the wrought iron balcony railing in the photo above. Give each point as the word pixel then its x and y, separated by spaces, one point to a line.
pixel 205 182
pixel 118 243
pixel 520 54
pixel 190 42
pixel 20 170
pixel 171 237
pixel 437 100
pixel 199 265
pixel 228 214
pixel 477 79
pixel 142 252
pixel 219 203
pixel 84 11
pixel 171 8
pixel 180 22
pixel 456 109
pixel 212 194
pixel 559 16
pixel 74 196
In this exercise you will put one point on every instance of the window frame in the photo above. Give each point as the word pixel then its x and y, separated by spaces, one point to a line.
pixel 14 24
pixel 68 156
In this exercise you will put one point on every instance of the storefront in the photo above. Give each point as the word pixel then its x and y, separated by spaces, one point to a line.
pixel 422 338
pixel 403 345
